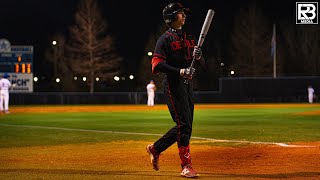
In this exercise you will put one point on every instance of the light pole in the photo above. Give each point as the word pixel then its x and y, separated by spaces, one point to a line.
pixel 55 56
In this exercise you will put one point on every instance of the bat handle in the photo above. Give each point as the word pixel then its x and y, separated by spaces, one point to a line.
pixel 194 58
pixel 186 81
pixel 192 63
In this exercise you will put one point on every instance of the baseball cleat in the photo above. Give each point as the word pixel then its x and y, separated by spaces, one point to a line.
pixel 154 156
pixel 188 172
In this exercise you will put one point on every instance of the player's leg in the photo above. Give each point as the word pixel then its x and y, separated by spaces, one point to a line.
pixel 161 145
pixel 182 113
pixel 166 140
pixel 184 150
pixel 152 100
pixel 310 96
pixel 6 103
pixel 172 135
pixel 149 100
pixel 1 102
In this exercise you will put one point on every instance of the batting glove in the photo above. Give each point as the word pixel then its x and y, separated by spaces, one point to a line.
pixel 187 73
pixel 197 53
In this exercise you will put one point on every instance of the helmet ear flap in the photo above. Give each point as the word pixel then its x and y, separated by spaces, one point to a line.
pixel 170 18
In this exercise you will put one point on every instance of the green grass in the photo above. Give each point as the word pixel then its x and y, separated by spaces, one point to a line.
pixel 254 124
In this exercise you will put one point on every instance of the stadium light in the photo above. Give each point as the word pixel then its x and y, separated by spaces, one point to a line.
pixel 84 78
pixel 57 80
pixel 75 78
pixel 97 79
pixel 35 79
pixel 131 77
pixel 116 78
pixel 232 72
pixel 149 53
pixel 54 43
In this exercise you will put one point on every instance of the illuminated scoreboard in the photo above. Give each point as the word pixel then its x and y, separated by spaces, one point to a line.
pixel 17 61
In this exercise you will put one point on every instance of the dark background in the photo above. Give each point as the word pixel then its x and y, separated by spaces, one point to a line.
pixel 34 22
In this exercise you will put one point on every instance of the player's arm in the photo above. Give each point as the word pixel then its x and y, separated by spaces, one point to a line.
pixel 197 53
pixel 159 64
pixel 12 85
pixel 159 58
pixel 200 62
pixel 165 68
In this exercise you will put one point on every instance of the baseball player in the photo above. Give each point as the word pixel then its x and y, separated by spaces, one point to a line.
pixel 173 55
pixel 310 94
pixel 151 88
pixel 4 93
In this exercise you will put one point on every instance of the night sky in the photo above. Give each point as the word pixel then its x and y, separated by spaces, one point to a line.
pixel 33 22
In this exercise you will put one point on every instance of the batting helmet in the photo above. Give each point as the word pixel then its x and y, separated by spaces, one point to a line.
pixel 169 13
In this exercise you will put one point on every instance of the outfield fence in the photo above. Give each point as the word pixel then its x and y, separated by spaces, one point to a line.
pixel 99 98
pixel 231 90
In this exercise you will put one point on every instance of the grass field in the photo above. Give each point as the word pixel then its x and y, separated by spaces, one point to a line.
pixel 241 125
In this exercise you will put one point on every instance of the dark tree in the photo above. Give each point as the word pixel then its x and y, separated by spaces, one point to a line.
pixel 299 49
pixel 90 45
pixel 56 54
pixel 251 40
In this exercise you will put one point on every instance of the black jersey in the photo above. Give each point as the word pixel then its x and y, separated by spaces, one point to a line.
pixel 175 48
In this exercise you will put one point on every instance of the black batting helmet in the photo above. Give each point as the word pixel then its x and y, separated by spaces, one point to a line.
pixel 170 12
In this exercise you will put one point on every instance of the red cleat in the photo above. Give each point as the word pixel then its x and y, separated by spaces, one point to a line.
pixel 154 156
pixel 188 172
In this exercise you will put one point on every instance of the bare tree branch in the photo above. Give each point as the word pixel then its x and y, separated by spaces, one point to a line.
pixel 251 43
pixel 91 46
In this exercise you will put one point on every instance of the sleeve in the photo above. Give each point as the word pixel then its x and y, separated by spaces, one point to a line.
pixel 159 54
pixel 159 58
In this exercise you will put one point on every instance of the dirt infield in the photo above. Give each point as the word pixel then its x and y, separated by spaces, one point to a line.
pixel 121 108
pixel 129 160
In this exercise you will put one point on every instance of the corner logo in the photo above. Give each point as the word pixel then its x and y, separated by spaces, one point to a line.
pixel 307 13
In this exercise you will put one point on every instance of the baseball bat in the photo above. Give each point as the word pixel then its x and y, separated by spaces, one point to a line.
pixel 204 31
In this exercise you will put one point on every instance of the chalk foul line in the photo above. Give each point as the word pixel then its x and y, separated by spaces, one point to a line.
pixel 150 134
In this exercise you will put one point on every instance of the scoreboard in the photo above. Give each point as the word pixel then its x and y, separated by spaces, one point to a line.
pixel 17 61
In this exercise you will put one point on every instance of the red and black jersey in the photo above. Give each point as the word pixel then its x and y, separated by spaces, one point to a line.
pixel 174 48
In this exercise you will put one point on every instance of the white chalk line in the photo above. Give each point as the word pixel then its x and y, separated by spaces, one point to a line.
pixel 150 134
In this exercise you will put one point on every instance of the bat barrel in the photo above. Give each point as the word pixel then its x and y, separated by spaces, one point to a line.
pixel 205 27
pixel 204 31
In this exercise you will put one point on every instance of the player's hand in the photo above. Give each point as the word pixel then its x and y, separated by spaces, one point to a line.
pixel 187 72
pixel 197 53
